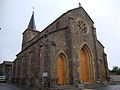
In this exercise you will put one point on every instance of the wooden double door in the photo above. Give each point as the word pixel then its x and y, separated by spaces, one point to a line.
pixel 60 70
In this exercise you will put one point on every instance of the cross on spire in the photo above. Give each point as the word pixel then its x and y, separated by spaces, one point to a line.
pixel 79 4
pixel 33 9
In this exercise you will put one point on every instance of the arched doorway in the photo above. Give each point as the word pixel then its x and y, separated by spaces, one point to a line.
pixel 86 66
pixel 83 58
pixel 61 69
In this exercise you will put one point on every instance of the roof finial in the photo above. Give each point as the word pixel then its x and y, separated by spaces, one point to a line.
pixel 79 4
pixel 33 9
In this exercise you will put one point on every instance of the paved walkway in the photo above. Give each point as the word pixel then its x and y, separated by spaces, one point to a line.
pixel 10 86
pixel 110 87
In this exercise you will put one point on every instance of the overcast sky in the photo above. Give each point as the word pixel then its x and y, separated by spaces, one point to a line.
pixel 15 16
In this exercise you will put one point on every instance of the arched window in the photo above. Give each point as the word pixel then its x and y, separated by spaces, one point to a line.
pixel 101 69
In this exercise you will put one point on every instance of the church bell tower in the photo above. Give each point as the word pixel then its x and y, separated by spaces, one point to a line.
pixel 30 32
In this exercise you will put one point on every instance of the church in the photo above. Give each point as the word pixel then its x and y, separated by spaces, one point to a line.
pixel 66 52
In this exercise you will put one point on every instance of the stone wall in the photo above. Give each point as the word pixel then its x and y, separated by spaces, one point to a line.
pixel 7 69
pixel 62 36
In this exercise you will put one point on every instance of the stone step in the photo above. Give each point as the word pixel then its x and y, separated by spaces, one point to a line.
pixel 64 87
pixel 84 86
pixel 90 85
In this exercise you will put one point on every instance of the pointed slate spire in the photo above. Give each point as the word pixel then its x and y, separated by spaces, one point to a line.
pixel 32 25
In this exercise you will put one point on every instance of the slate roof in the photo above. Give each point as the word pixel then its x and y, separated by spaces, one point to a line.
pixel 32 25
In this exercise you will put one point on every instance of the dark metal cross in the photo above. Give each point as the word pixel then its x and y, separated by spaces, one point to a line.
pixel 79 4
pixel 33 9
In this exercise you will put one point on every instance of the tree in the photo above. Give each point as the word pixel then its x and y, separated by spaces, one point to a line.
pixel 116 70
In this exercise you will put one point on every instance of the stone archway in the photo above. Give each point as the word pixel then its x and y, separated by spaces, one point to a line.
pixel 86 68
pixel 61 69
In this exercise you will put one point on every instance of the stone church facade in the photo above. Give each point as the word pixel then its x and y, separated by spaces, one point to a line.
pixel 65 52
